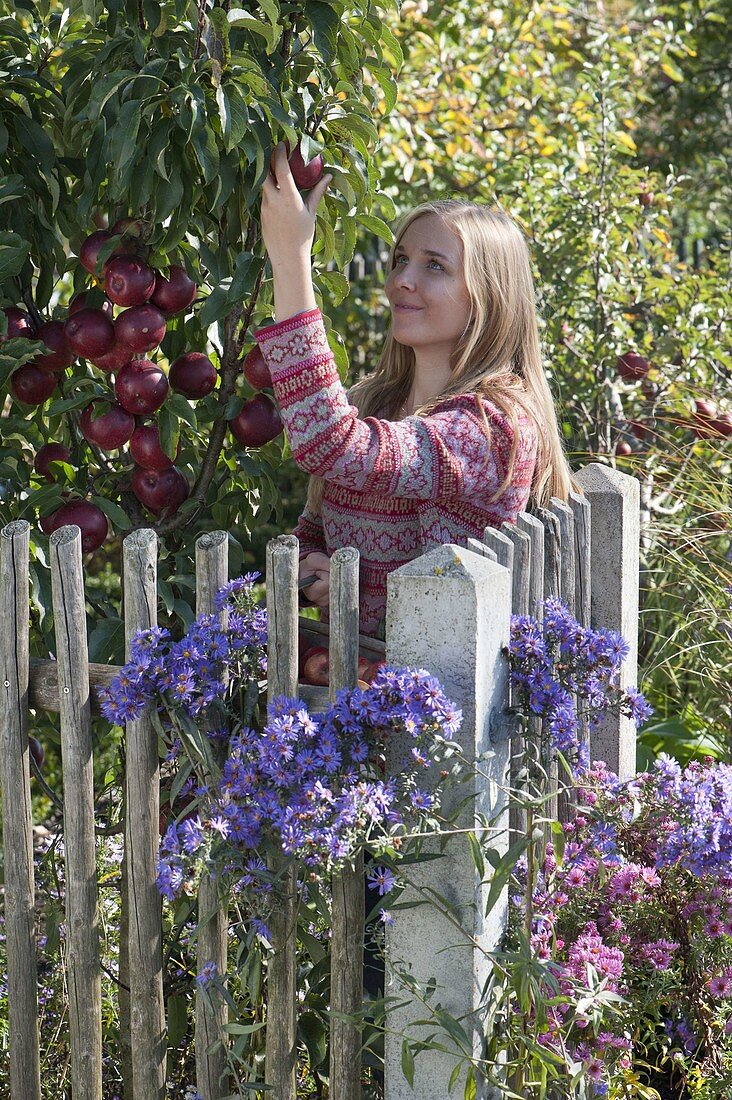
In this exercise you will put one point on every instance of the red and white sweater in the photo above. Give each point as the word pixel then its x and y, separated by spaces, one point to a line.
pixel 393 489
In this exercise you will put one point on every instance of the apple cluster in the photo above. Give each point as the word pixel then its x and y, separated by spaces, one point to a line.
pixel 705 420
pixel 115 325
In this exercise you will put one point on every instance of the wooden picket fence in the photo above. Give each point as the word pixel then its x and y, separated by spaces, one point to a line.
pixel 553 551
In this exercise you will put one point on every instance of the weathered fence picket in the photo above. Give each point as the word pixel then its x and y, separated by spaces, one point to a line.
pixel 282 616
pixel 82 900
pixel 447 611
pixel 212 1013
pixel 346 965
pixel 142 816
pixel 25 1071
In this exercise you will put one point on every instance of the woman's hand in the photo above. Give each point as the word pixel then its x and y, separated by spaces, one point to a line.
pixel 318 592
pixel 288 218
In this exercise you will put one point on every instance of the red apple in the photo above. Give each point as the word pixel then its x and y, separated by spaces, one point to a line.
pixel 256 370
pixel 141 387
pixel 19 324
pixel 111 429
pixel 49 452
pixel 128 281
pixel 175 293
pixel 161 491
pixel 193 374
pixel 646 198
pixel 305 175
pixel 376 667
pixel 723 424
pixel 89 251
pixel 46 523
pixel 60 356
pixel 316 669
pixel 89 333
pixel 623 447
pixel 31 385
pixel 146 450
pixel 114 359
pixel 36 750
pixel 88 517
pixel 364 667
pixel 140 328
pixel 703 417
pixel 258 422
pixel 632 366
pixel 81 301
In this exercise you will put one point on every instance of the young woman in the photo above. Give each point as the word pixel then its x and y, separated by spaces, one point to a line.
pixel 456 428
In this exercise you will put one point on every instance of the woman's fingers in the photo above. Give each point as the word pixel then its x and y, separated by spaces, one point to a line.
pixel 313 200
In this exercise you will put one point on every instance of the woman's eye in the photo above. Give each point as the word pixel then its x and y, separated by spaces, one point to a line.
pixel 437 263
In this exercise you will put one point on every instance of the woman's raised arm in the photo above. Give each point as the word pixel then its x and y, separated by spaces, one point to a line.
pixel 288 228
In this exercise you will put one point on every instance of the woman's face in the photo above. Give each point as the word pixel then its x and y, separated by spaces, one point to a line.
pixel 426 288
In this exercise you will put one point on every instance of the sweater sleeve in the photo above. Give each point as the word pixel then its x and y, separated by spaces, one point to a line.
pixel 443 456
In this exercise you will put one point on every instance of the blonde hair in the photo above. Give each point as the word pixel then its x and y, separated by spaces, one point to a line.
pixel 498 355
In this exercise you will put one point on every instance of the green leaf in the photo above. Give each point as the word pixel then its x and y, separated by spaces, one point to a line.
pixel 377 226
pixel 503 871
pixel 215 306
pixel 407 1063
pixel 122 137
pixel 243 1029
pixel 14 251
pixel 672 71
pixel 203 141
pixel 238 17
pixel 112 511
pixel 107 641
pixel 476 854
pixel 314 1033
pixel 177 1019
pixel 179 405
pixel 392 44
pixel 325 23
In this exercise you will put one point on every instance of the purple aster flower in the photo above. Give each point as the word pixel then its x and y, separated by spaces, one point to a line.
pixel 381 879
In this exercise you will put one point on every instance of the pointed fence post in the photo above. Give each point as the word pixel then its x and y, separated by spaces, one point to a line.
pixel 24 1056
pixel 615 532
pixel 147 1007
pixel 82 894
pixel 282 613
pixel 346 969
pixel 212 1013
pixel 448 611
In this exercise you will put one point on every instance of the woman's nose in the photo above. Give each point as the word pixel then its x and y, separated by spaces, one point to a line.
pixel 404 275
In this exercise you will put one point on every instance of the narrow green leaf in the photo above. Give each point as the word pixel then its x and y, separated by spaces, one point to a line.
pixel 177 1019
pixel 407 1063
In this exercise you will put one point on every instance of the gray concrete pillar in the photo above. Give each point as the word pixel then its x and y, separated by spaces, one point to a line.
pixel 449 612
pixel 615 532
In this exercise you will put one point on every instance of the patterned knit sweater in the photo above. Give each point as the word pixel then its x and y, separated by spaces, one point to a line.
pixel 393 489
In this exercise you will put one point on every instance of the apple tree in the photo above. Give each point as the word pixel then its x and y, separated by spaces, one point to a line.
pixel 134 141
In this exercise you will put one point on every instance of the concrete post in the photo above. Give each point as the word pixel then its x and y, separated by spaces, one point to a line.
pixel 615 531
pixel 449 612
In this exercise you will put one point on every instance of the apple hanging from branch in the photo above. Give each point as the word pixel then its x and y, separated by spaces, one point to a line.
pixel 258 422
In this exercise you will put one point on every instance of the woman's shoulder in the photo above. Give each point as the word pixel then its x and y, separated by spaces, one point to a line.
pixel 497 412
